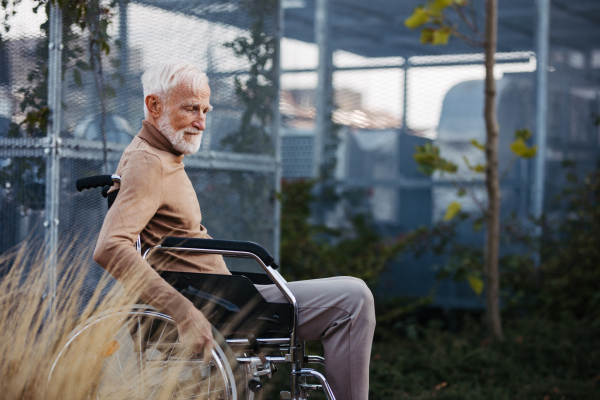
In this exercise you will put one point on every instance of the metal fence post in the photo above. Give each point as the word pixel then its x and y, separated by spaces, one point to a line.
pixel 124 55
pixel 52 149
pixel 541 117
pixel 277 135
pixel 325 84
pixel 406 67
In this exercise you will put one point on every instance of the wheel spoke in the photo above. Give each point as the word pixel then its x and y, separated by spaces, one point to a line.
pixel 160 358
pixel 141 353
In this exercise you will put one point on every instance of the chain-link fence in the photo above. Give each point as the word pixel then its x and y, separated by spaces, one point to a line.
pixel 387 105
pixel 69 107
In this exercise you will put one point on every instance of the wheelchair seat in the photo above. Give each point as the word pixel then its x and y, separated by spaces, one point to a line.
pixel 233 304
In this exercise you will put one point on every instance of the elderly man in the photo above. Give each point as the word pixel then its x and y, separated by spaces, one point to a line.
pixel 156 199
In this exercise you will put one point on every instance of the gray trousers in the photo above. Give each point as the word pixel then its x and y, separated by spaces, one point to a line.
pixel 341 313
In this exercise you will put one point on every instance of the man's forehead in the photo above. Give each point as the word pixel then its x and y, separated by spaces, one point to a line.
pixel 187 92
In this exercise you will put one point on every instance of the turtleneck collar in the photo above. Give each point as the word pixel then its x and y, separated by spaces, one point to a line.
pixel 150 134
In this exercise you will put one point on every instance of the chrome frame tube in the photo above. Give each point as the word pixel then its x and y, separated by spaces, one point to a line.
pixel 274 341
pixel 256 360
pixel 315 374
pixel 275 277
pixel 314 360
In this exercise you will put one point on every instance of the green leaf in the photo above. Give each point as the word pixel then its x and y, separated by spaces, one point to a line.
pixel 477 144
pixel 520 149
pixel 419 17
pixel 461 192
pixel 478 224
pixel 447 166
pixel 461 3
pixel 452 210
pixel 523 134
pixel 476 284
pixel 105 47
pixel 82 65
pixel 77 77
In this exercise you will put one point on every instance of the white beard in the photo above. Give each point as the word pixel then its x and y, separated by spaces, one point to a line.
pixel 178 138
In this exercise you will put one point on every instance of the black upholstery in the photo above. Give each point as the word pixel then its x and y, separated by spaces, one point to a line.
pixel 233 305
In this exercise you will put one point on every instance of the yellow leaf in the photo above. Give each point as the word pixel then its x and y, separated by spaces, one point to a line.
pixel 520 149
pixel 476 143
pixel 426 35
pixel 419 17
pixel 452 210
pixel 441 36
pixel 439 5
pixel 479 168
pixel 476 284
pixel 460 3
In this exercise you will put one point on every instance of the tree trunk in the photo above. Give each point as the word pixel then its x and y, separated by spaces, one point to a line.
pixel 492 242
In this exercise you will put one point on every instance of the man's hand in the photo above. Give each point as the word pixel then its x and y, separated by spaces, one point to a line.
pixel 195 332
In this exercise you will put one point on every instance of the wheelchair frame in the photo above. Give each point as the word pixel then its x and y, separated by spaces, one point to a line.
pixel 295 349
pixel 258 363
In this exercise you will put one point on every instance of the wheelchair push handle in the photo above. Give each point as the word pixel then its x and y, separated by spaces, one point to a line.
pixel 96 181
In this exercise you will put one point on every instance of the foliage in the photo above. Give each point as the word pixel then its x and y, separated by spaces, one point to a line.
pixel 437 26
pixel 86 15
pixel 314 251
pixel 569 271
pixel 256 91
pixel 564 285
pixel 429 160
pixel 23 176
pixel 540 359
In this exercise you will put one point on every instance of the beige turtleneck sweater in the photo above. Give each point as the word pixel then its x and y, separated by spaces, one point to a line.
pixel 156 199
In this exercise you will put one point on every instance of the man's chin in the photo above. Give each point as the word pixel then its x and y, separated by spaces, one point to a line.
pixel 188 147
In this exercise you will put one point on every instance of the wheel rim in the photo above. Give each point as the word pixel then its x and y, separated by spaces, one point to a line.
pixel 143 358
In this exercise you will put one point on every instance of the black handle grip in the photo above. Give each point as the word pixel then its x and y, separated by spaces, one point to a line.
pixel 93 182
pixel 213 244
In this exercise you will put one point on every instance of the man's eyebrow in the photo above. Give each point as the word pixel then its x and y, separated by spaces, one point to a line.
pixel 193 104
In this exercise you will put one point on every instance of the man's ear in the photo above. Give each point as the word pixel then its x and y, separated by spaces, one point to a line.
pixel 154 105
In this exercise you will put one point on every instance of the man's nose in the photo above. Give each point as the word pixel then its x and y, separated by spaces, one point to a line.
pixel 200 122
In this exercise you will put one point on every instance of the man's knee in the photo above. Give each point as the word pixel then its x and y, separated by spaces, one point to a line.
pixel 362 299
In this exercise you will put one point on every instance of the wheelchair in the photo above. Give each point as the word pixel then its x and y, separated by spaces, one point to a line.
pixel 251 336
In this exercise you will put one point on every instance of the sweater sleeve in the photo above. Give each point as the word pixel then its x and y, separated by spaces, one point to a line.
pixel 140 196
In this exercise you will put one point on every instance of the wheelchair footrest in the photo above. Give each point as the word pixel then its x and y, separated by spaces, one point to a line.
pixel 308 372
pixel 308 386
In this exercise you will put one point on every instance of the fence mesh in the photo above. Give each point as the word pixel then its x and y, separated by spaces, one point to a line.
pixel 444 106
pixel 234 173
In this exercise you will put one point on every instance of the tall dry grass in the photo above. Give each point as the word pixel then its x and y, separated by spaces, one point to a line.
pixel 36 336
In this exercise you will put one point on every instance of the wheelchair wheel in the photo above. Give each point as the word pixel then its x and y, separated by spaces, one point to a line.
pixel 136 354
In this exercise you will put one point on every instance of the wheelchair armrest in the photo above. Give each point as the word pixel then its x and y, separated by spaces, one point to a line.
pixel 215 244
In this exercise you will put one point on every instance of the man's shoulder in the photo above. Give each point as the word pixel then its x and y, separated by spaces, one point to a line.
pixel 139 149
pixel 140 156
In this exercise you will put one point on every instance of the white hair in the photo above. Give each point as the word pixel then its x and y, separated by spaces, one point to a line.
pixel 163 77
